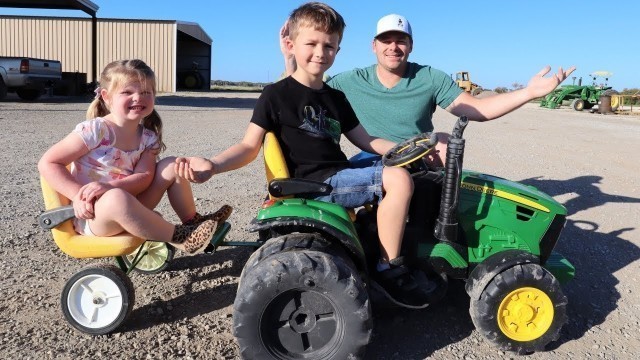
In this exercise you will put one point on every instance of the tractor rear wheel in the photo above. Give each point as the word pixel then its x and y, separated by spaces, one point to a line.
pixel 302 304
pixel 522 309
pixel 615 100
pixel 577 104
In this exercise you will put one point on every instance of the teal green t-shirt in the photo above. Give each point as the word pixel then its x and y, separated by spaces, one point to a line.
pixel 403 111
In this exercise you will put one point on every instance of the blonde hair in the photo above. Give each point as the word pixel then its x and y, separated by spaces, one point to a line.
pixel 116 75
pixel 320 16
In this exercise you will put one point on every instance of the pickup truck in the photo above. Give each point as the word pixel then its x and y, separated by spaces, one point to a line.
pixel 28 77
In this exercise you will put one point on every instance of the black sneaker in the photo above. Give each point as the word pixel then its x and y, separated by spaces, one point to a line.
pixel 404 286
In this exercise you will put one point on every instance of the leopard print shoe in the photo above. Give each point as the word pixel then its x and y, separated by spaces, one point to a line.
pixel 194 238
pixel 219 216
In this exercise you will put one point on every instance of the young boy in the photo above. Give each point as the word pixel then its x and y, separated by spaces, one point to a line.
pixel 308 118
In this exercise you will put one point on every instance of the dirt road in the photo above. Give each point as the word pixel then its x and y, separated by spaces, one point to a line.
pixel 586 161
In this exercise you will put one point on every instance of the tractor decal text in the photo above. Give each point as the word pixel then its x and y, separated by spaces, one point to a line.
pixel 503 194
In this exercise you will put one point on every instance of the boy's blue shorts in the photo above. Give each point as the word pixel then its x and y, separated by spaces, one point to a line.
pixel 355 187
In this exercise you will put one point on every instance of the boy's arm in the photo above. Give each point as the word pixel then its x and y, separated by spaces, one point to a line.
pixel 495 106
pixel 360 138
pixel 199 170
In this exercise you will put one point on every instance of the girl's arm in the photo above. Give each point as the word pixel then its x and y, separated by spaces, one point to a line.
pixel 360 138
pixel 142 176
pixel 199 170
pixel 53 164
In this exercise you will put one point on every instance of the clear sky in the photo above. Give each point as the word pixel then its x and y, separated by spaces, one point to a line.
pixel 498 42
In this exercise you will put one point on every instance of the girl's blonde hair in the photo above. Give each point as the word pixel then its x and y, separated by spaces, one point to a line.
pixel 118 74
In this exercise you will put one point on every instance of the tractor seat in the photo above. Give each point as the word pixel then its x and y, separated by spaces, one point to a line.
pixel 280 185
pixel 72 243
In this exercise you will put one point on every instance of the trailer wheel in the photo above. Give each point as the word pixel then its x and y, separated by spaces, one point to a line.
pixel 577 104
pixel 522 309
pixel 302 304
pixel 3 89
pixel 97 299
pixel 159 255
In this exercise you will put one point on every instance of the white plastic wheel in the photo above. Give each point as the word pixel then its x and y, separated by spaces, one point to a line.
pixel 96 300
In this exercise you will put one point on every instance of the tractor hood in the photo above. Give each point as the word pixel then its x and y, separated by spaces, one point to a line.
pixel 523 195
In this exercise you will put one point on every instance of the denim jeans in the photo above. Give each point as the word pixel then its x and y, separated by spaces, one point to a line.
pixel 355 187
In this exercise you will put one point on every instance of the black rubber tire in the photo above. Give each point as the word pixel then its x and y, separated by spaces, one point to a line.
pixel 103 282
pixel 302 304
pixel 28 94
pixel 296 241
pixel 577 104
pixel 486 313
pixel 3 89
pixel 158 258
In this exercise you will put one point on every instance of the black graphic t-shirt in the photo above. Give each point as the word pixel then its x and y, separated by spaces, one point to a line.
pixel 308 124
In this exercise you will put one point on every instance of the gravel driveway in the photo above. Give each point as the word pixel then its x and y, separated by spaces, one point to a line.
pixel 589 162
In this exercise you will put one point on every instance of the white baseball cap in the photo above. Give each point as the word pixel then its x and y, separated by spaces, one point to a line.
pixel 393 22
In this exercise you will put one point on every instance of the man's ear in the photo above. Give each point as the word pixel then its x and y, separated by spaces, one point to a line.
pixel 337 51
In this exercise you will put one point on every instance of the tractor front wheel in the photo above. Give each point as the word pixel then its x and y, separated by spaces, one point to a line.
pixel 577 104
pixel 302 304
pixel 522 309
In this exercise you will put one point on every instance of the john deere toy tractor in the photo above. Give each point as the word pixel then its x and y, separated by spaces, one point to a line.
pixel 306 293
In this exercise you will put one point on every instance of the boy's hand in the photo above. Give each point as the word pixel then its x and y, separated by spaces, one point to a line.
pixel 540 86
pixel 194 169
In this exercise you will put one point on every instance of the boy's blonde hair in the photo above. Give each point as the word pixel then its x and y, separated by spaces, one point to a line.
pixel 118 74
pixel 317 15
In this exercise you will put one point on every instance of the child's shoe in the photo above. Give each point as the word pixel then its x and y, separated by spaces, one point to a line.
pixel 194 238
pixel 403 286
pixel 219 216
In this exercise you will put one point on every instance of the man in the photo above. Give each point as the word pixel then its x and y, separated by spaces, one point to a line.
pixel 395 99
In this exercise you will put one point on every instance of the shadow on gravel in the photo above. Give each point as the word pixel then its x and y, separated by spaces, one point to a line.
pixel 416 334
pixel 197 302
pixel 206 102
pixel 596 255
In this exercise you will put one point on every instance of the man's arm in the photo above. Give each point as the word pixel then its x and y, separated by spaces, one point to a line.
pixel 493 107
pixel 360 138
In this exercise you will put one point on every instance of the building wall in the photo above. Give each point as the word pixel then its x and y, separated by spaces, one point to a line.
pixel 69 41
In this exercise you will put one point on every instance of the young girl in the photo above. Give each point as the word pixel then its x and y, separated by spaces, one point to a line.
pixel 114 181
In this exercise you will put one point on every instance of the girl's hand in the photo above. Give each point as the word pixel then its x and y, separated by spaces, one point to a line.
pixel 194 169
pixel 82 209
pixel 93 190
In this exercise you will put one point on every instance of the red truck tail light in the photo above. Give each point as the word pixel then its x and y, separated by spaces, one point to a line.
pixel 24 66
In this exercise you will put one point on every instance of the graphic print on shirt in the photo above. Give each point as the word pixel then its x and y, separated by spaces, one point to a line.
pixel 319 125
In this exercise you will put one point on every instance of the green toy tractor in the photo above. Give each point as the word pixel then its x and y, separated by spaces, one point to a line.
pixel 306 292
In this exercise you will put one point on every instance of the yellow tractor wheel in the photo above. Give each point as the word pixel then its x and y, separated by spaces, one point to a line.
pixel 522 309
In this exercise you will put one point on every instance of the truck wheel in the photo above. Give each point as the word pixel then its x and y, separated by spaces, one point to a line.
pixel 28 94
pixel 577 104
pixel 3 89
pixel 302 304
pixel 522 309
pixel 97 299
pixel 158 256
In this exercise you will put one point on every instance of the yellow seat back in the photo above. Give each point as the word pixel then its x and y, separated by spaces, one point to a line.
pixel 82 246
pixel 275 165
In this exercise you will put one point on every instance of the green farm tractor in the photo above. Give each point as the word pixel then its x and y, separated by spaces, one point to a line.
pixel 580 96
pixel 307 293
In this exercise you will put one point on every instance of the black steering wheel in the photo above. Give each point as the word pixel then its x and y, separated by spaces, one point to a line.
pixel 411 150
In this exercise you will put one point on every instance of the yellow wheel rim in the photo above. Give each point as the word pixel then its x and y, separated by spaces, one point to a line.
pixel 615 101
pixel 525 314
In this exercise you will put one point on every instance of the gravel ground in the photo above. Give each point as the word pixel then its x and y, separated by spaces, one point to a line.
pixel 586 161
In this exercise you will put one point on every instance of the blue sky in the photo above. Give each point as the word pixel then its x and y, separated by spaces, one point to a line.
pixel 498 42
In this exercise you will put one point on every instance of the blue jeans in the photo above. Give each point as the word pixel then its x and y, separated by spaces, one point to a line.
pixel 365 159
pixel 355 187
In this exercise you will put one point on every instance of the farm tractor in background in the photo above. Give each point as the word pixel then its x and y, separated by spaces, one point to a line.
pixel 464 82
pixel 582 96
